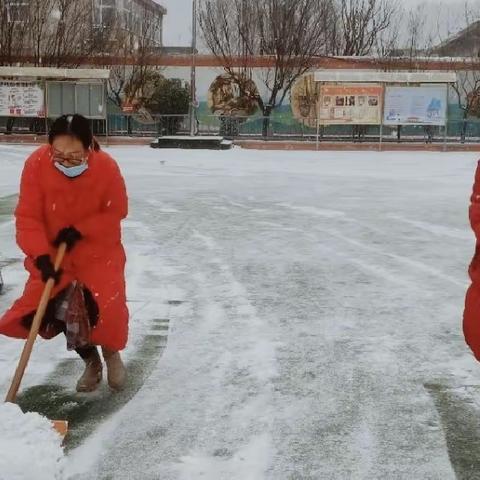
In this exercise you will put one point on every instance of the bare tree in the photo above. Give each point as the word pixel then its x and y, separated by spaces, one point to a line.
pixel 389 46
pixel 131 82
pixel 13 31
pixel 467 90
pixel 40 27
pixel 291 33
pixel 420 35
pixel 472 11
pixel 70 34
pixel 415 28
pixel 362 22
pixel 49 32
pixel 467 86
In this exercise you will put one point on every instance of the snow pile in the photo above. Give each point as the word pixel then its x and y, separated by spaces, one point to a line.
pixel 29 446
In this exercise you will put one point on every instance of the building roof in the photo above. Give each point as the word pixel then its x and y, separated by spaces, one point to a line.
pixel 55 73
pixel 384 77
pixel 467 41
pixel 155 6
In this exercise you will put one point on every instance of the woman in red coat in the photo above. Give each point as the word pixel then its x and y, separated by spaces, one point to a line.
pixel 73 192
pixel 471 319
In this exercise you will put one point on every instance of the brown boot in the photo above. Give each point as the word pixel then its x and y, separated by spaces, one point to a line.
pixel 117 374
pixel 92 376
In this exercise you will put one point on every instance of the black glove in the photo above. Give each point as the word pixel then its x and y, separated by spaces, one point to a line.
pixel 69 235
pixel 47 269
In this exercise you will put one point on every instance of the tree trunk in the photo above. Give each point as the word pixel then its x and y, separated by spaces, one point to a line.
pixel 10 124
pixel 463 132
pixel 267 111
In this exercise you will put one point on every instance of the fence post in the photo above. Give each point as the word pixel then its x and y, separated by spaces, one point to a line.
pixel 45 99
pixel 382 115
pixel 105 103
pixel 106 129
pixel 380 143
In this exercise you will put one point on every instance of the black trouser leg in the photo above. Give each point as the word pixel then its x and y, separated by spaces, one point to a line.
pixel 87 353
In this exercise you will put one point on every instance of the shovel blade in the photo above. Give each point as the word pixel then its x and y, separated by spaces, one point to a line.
pixel 61 426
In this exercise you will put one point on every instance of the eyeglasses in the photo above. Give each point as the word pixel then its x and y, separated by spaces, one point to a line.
pixel 71 160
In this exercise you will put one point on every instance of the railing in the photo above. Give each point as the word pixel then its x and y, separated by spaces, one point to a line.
pixel 279 128
pixel 158 125
pixel 39 126
pixel 463 131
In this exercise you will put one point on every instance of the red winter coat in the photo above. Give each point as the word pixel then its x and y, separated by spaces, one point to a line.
pixel 471 318
pixel 94 203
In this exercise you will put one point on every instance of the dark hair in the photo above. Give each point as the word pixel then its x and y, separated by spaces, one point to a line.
pixel 77 126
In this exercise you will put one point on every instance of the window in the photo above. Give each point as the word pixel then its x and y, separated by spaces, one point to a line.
pixel 89 100
pixel 61 98
pixel 153 30
pixel 136 23
pixel 103 12
pixel 65 98
pixel 159 31
pixel 125 11
pixel 17 10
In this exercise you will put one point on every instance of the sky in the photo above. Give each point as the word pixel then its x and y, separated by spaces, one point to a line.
pixel 178 20
pixel 178 23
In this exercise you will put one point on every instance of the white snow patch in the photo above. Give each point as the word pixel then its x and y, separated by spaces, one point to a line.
pixel 248 463
pixel 438 230
pixel 83 458
pixel 317 212
pixel 209 242
pixel 29 446
pixel 162 207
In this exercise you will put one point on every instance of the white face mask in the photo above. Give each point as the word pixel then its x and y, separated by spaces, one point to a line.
pixel 72 172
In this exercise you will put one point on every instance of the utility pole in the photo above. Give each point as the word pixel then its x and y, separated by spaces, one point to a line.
pixel 193 79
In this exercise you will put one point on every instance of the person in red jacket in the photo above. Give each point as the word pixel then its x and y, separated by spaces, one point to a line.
pixel 471 318
pixel 71 191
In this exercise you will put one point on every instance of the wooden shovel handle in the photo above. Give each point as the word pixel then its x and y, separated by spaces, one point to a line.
pixel 36 323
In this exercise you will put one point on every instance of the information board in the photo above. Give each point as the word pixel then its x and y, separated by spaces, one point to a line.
pixel 351 104
pixel 424 105
pixel 23 99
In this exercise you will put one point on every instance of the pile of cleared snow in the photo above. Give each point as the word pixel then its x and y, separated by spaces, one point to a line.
pixel 29 447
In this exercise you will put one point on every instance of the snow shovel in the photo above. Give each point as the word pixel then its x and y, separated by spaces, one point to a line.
pixel 61 426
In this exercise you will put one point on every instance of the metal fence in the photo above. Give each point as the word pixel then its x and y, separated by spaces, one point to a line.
pixel 39 126
pixel 456 131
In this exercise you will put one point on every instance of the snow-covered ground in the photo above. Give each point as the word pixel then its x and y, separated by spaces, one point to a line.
pixel 28 436
pixel 312 303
